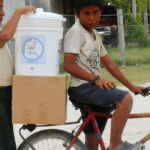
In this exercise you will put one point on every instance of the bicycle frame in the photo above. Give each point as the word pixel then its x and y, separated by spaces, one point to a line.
pixel 91 117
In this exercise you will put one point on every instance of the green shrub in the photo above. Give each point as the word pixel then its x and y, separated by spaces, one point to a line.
pixel 137 34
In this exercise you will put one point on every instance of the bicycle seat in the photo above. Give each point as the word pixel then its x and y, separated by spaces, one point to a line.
pixel 78 105
pixel 85 106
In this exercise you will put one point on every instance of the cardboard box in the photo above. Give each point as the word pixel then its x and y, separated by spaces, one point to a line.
pixel 39 99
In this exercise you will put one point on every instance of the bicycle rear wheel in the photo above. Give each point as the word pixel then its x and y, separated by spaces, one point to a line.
pixel 51 139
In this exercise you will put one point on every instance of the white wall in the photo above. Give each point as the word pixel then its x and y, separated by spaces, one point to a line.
pixel 10 7
pixel 39 4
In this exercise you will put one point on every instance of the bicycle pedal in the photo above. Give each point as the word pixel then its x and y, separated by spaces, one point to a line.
pixel 138 146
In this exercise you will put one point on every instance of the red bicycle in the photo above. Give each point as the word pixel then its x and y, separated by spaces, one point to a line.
pixel 54 139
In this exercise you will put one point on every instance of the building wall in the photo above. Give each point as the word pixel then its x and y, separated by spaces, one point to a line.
pixel 63 7
pixel 39 4
pixel 57 6
pixel 9 8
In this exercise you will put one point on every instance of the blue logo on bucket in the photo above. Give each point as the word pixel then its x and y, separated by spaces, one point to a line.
pixel 32 49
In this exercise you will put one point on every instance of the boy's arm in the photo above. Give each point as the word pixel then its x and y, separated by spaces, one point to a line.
pixel 9 29
pixel 115 71
pixel 71 67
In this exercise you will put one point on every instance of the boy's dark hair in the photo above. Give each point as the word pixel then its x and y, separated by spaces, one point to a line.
pixel 79 4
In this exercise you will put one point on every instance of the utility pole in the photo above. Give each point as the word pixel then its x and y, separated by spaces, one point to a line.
pixel 76 19
pixel 146 20
pixel 134 8
pixel 121 35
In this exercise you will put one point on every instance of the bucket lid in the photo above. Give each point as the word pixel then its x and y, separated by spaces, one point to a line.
pixel 41 15
pixel 41 21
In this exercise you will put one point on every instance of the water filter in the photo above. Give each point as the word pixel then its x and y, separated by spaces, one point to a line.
pixel 37 44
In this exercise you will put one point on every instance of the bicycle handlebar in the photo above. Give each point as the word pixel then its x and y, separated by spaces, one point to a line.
pixel 145 90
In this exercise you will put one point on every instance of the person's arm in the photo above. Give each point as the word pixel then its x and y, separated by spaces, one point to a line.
pixel 9 29
pixel 71 67
pixel 116 72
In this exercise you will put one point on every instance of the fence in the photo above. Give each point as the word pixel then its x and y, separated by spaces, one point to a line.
pixel 135 35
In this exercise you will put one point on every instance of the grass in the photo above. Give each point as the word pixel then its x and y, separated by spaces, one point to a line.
pixel 137 70
pixel 137 74
pixel 133 56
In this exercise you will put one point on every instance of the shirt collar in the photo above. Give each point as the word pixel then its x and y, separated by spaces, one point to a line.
pixel 81 26
pixel 83 29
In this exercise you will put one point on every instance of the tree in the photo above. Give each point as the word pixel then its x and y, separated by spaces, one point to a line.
pixel 126 5
pixel 136 33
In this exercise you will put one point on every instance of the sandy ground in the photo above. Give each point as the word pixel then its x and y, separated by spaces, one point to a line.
pixel 134 131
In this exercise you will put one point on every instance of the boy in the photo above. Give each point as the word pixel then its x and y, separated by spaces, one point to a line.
pixel 7 141
pixel 83 52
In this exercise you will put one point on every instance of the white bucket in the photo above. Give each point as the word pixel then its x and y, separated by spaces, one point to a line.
pixel 37 44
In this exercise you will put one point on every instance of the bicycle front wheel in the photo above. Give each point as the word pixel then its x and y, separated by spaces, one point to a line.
pixel 51 139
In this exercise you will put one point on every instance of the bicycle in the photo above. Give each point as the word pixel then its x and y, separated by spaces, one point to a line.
pixel 62 140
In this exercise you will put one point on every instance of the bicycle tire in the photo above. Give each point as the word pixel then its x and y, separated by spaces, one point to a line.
pixel 53 138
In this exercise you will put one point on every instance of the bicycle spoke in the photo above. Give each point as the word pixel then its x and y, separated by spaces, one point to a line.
pixel 53 143
pixel 52 140
pixel 48 144
pixel 60 145
pixel 38 146
pixel 56 144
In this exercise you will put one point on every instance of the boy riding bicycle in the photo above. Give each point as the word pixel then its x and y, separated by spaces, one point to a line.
pixel 83 53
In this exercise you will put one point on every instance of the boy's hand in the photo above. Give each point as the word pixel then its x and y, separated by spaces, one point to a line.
pixel 138 90
pixel 25 9
pixel 103 83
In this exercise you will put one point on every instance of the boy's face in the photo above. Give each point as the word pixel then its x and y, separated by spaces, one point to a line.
pixel 1 11
pixel 89 17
